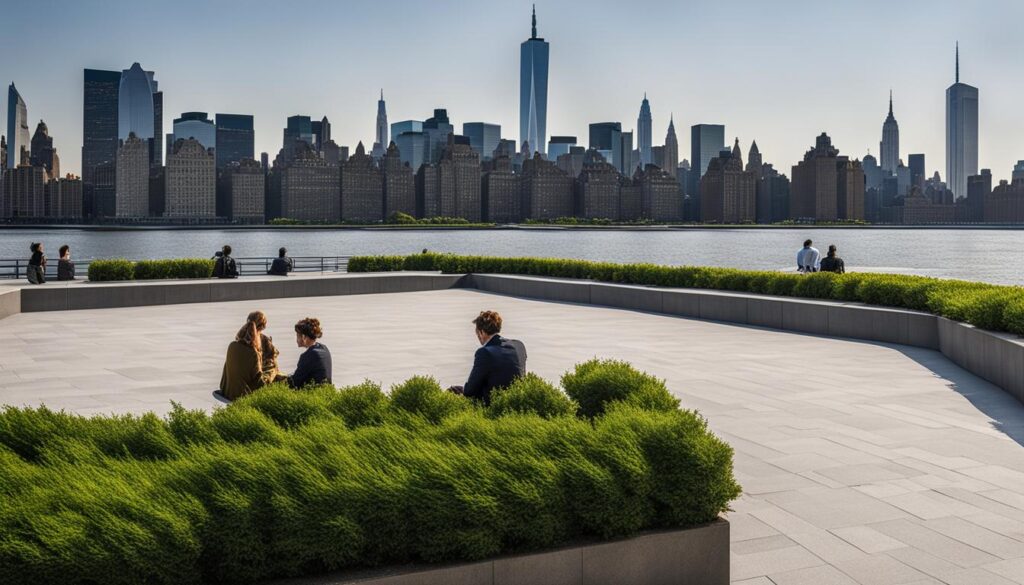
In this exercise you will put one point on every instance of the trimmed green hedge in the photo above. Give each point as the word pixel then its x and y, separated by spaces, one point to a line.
pixel 284 483
pixel 989 306
pixel 121 269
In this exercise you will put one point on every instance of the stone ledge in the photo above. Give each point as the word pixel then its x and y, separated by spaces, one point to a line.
pixel 695 555
pixel 10 303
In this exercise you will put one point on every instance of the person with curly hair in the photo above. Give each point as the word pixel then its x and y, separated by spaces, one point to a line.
pixel 314 365
pixel 497 363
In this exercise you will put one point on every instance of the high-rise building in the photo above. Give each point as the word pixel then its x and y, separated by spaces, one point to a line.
pixel 533 90
pixel 43 153
pixel 706 142
pixel 572 162
pixel 381 139
pixel 436 131
pixel 132 178
pixel 889 148
pixel 17 127
pixel 762 188
pixel 670 156
pixel 1018 171
pixel 156 151
pixel 321 133
pixel 597 191
pixel 298 129
pixel 1006 203
pixel 559 145
pixel 24 192
pixel 546 191
pixel 979 191
pixel 499 194
pixel 234 138
pixel 660 199
pixel 606 138
pixel 826 186
pixel 399 184
pixel 728 192
pixel 305 187
pixel 64 198
pixel 136 113
pixel 3 154
pixel 190 176
pixel 917 170
pixel 483 137
pixel 427 204
pixel 100 103
pixel 196 125
pixel 629 159
pixel 399 128
pixel 961 133
pixel 458 179
pixel 412 147
pixel 644 140
pixel 244 183
pixel 362 195
pixel 850 189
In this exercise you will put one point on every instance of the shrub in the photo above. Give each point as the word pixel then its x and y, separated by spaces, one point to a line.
pixel 174 268
pixel 284 483
pixel 1013 316
pixel 597 383
pixel 107 270
pixel 530 394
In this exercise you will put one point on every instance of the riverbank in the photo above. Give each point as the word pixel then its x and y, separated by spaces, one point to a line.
pixel 504 227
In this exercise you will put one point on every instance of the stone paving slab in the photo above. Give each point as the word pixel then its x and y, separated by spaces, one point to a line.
pixel 862 463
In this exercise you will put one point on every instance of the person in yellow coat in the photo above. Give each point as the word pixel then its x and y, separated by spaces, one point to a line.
pixel 251 360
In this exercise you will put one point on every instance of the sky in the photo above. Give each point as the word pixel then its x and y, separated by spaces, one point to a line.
pixel 779 72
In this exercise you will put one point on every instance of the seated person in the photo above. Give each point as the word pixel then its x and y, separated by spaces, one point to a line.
pixel 243 368
pixel 281 265
pixel 315 363
pixel 224 266
pixel 496 364
pixel 65 267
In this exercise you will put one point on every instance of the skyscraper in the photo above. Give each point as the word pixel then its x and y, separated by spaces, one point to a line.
pixel 671 151
pixel 483 137
pixel 190 177
pixel 533 90
pixel 381 140
pixel 195 125
pixel 917 170
pixel 559 145
pixel 961 133
pixel 17 127
pixel 135 112
pixel 706 142
pixel 644 141
pixel 132 178
pixel 234 139
pixel 606 138
pixel 362 188
pixel 99 140
pixel 889 148
pixel 43 152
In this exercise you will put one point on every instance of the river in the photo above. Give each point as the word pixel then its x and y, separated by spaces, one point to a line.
pixel 990 255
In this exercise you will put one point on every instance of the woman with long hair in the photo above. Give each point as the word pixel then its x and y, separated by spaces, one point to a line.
pixel 244 370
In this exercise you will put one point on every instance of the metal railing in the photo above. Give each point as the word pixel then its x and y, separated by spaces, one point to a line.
pixel 14 268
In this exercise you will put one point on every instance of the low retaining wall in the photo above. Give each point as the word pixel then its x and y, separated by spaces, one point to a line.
pixel 10 303
pixel 996 357
pixel 697 555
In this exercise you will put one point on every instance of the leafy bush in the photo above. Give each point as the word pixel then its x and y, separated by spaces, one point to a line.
pixel 597 383
pixel 284 483
pixel 984 305
pixel 107 270
pixel 530 394
pixel 174 268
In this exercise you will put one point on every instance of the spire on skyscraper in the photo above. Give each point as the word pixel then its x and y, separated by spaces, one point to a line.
pixel 534 22
pixel 890 101
pixel 958 61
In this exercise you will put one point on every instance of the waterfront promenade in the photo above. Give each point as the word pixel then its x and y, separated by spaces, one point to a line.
pixel 860 462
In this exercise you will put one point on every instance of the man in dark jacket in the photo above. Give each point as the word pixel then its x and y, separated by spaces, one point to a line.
pixel 224 266
pixel 832 262
pixel 281 265
pixel 496 364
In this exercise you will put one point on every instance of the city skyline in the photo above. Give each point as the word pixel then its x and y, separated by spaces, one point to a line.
pixel 586 85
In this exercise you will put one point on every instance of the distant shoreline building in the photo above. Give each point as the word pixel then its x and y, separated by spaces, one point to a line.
pixel 961 133
pixel 533 91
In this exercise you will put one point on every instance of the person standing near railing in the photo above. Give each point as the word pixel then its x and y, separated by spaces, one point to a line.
pixel 65 267
pixel 36 272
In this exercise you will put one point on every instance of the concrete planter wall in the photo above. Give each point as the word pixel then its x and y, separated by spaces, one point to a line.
pixel 697 556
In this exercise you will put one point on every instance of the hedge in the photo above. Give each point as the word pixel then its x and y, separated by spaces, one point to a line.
pixel 285 483
pixel 989 306
pixel 121 269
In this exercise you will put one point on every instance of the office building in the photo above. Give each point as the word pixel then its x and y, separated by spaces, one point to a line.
pixel 3 153
pixel 917 170
pixel 64 198
pixel 412 147
pixel 706 142
pixel 546 191
pixel 135 111
pixel 156 149
pixel 458 180
pixel 533 90
pixel 100 103
pixel 670 152
pixel 362 196
pixel 43 153
pixel 889 148
pixel 979 190
pixel 572 161
pixel 483 138
pixel 321 131
pixel 827 186
pixel 196 125
pixel 644 139
pixel 660 200
pixel 427 204
pixel 629 158
pixel 436 131
pixel 728 191
pixel 961 133
pixel 24 191
pixel 597 191
pixel 606 138
pixel 850 189
pixel 1006 203
pixel 399 184
pixel 305 187
pixel 381 141
pixel 234 138
pixel 1018 171
pixel 190 178
pixel 559 145
pixel 630 198
pixel 499 192
pixel 399 128
pixel 17 127
pixel 132 199
pixel 244 184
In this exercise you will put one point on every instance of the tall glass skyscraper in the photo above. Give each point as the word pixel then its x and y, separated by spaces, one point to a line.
pixel 235 138
pixel 483 137
pixel 533 91
pixel 99 141
pixel 961 133
pixel 606 138
pixel 706 142
pixel 195 125
pixel 644 140
pixel 135 104
pixel 17 127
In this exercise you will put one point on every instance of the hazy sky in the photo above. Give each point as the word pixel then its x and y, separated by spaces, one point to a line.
pixel 779 72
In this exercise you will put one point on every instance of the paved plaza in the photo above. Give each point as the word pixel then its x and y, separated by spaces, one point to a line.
pixel 860 462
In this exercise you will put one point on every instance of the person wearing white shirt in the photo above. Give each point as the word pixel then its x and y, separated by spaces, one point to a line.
pixel 808 258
